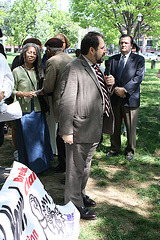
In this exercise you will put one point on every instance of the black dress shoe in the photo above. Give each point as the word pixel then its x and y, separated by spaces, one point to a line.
pixel 129 157
pixel 86 213
pixel 88 202
pixel 111 154
pixel 58 169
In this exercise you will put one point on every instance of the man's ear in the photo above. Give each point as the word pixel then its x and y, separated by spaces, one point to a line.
pixel 92 50
pixel 49 53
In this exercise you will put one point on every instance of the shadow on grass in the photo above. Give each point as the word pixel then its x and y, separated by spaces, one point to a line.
pixel 6 153
pixel 119 223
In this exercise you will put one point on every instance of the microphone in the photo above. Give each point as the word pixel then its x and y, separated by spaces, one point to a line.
pixel 108 68
pixel 1 34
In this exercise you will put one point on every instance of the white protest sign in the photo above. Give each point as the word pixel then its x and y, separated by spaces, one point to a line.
pixel 27 211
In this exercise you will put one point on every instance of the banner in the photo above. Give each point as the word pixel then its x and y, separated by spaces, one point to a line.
pixel 27 211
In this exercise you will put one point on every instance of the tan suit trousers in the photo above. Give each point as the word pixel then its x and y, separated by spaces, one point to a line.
pixel 78 163
pixel 130 115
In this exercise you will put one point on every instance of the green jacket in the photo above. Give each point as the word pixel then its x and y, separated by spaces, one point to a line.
pixel 22 83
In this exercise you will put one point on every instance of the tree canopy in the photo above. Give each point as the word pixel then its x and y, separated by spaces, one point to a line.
pixel 40 19
pixel 3 10
pixel 114 17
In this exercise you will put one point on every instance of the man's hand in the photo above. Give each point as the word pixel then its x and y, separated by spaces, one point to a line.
pixel 1 95
pixel 120 91
pixel 68 138
pixel 110 80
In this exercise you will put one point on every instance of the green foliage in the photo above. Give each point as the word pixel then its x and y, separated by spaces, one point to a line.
pixel 61 22
pixel 116 16
pixel 3 13
pixel 23 19
pixel 40 19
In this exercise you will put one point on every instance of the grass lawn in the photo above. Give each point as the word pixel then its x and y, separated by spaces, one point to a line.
pixel 128 193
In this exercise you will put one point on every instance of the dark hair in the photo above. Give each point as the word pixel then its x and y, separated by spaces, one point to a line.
pixel 136 46
pixel 126 35
pixel 37 64
pixel 90 40
pixel 32 40
pixel 2 50
pixel 77 52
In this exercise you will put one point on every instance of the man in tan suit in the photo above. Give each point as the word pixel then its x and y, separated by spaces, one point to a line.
pixel 54 67
pixel 82 114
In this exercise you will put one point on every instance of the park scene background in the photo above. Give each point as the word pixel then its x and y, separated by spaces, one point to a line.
pixel 127 193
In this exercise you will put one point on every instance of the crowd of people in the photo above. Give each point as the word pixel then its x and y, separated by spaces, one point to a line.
pixel 69 103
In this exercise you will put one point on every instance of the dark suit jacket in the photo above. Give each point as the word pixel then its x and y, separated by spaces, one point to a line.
pixel 82 104
pixel 131 79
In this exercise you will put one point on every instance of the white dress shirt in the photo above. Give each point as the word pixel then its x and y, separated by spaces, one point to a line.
pixel 6 77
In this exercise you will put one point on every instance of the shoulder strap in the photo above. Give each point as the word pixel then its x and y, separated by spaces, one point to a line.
pixel 29 77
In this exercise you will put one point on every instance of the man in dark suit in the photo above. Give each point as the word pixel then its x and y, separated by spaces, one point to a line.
pixel 82 114
pixel 128 70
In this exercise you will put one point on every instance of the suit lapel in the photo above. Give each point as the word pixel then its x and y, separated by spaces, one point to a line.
pixel 91 73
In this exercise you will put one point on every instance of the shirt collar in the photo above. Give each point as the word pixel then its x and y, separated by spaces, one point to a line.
pixel 88 61
pixel 127 56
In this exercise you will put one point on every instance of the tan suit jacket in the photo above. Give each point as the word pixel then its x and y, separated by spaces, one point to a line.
pixel 82 104
pixel 54 68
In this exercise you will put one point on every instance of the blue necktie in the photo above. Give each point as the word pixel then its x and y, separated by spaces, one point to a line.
pixel 120 67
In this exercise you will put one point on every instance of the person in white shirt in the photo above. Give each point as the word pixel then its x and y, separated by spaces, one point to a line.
pixel 6 87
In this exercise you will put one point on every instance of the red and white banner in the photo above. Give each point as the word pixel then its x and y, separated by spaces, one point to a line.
pixel 27 211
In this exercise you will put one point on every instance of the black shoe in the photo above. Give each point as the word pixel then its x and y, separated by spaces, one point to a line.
pixel 86 213
pixel 129 157
pixel 58 169
pixel 63 181
pixel 111 154
pixel 88 202
pixel 5 129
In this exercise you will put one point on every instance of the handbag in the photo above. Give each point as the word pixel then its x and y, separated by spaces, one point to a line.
pixel 43 99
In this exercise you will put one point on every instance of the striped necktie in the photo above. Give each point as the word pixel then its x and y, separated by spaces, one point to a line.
pixel 121 66
pixel 103 87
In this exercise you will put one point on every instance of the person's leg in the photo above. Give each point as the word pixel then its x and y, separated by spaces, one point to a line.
pixel 61 167
pixel 76 156
pixel 77 166
pixel 1 133
pixel 61 152
pixel 130 118
pixel 14 139
pixel 87 168
pixel 116 137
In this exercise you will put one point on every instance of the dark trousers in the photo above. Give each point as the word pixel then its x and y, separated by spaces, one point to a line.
pixel 61 150
pixel 1 133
